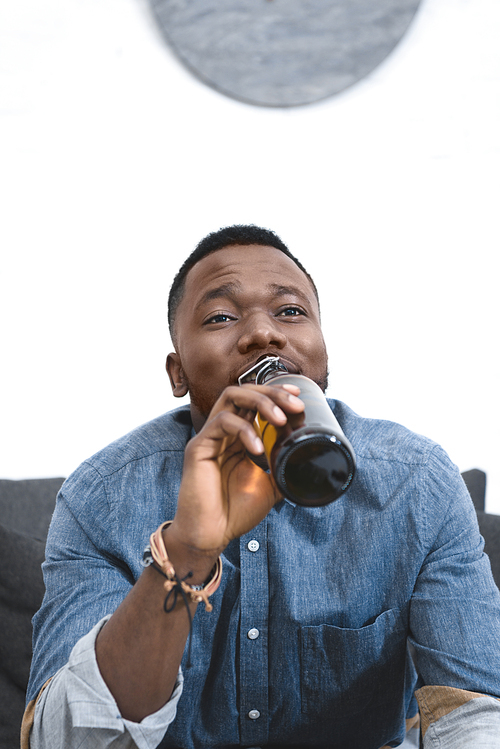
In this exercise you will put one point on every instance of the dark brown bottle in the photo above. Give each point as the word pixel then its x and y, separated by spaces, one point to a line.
pixel 310 458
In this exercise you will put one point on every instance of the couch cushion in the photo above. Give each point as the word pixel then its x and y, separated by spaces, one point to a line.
pixel 475 481
pixel 26 508
pixel 27 505
pixel 21 593
pixel 489 525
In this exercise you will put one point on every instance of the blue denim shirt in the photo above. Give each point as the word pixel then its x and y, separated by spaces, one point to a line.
pixel 307 644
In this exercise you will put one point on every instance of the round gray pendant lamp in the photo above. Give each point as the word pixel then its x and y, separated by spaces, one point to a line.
pixel 283 53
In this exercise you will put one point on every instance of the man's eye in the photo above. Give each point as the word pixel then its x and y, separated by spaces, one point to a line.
pixel 220 317
pixel 291 312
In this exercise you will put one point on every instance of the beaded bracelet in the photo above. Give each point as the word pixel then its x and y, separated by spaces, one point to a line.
pixel 156 554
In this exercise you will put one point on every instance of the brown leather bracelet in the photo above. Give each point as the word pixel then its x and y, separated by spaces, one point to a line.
pixel 195 593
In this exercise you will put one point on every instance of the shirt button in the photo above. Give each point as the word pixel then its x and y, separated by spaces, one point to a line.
pixel 253 633
pixel 253 545
pixel 254 714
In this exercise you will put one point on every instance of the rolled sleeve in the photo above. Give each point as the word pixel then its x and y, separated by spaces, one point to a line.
pixel 76 709
pixel 473 725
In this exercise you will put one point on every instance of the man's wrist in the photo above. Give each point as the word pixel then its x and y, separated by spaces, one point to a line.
pixel 187 560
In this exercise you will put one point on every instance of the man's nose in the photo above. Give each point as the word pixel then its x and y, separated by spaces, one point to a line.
pixel 261 332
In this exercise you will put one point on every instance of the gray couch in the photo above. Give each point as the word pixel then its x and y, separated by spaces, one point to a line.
pixel 25 511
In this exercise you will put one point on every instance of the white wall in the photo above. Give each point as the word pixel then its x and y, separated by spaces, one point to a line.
pixel 115 161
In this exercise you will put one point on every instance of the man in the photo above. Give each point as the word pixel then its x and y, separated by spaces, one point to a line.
pixel 306 644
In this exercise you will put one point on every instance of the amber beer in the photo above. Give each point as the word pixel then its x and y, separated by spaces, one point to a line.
pixel 310 458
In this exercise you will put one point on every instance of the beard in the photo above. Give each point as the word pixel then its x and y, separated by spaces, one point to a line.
pixel 322 382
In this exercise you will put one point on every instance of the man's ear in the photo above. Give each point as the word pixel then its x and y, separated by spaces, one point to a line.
pixel 176 375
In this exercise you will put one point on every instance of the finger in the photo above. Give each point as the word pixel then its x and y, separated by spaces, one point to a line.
pixel 272 402
pixel 292 400
pixel 227 425
pixel 291 388
pixel 246 413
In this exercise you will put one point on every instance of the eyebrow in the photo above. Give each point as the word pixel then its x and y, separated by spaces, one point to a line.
pixel 225 290
pixel 229 291
pixel 280 290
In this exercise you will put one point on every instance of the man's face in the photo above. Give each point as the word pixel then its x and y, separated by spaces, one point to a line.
pixel 241 303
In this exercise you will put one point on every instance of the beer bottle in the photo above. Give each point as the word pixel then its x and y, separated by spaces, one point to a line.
pixel 310 458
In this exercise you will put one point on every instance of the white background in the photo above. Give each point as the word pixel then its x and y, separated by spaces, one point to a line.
pixel 115 161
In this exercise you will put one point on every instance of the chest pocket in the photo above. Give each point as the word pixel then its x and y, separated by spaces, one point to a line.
pixel 346 671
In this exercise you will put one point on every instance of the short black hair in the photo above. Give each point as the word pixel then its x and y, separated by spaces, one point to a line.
pixel 218 240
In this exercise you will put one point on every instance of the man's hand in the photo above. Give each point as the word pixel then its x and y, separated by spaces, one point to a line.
pixel 223 493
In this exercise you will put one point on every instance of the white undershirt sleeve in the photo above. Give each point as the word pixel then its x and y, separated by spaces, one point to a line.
pixel 77 711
